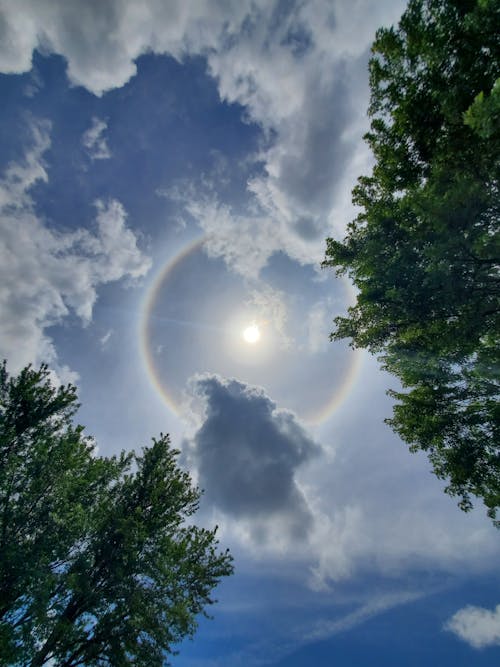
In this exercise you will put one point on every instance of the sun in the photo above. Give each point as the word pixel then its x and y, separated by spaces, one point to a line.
pixel 251 334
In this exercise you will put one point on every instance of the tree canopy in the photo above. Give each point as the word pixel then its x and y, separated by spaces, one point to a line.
pixel 100 563
pixel 424 251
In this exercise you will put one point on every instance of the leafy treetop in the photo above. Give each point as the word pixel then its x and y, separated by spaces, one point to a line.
pixel 100 563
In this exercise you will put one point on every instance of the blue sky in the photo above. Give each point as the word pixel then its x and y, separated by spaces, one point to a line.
pixel 169 172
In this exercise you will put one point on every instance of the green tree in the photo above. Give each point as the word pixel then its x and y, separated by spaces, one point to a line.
pixel 100 563
pixel 424 250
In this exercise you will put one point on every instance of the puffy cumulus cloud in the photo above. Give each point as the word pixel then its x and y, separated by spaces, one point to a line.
pixel 95 141
pixel 101 40
pixel 247 453
pixel 302 77
pixel 477 626
pixel 45 274
pixel 298 69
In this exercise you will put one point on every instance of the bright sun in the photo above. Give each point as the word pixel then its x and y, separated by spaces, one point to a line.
pixel 251 334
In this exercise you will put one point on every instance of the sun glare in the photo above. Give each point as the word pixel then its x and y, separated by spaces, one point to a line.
pixel 251 334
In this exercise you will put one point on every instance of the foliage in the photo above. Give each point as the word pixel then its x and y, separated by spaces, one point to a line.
pixel 424 251
pixel 99 561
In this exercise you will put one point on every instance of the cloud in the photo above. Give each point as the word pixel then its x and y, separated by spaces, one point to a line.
pixel 104 340
pixel 47 274
pixel 305 85
pixel 232 236
pixel 95 141
pixel 378 605
pixel 319 325
pixel 247 453
pixel 477 626
pixel 101 41
pixel 270 304
pixel 294 67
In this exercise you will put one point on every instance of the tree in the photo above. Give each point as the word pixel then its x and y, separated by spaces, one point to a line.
pixel 99 561
pixel 424 250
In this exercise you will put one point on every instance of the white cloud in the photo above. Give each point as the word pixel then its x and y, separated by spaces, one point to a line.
pixel 100 41
pixel 477 626
pixel 233 237
pixel 299 70
pixel 377 605
pixel 105 339
pixel 95 141
pixel 271 306
pixel 302 77
pixel 246 241
pixel 319 325
pixel 46 274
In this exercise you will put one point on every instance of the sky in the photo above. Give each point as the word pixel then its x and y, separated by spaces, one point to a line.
pixel 169 174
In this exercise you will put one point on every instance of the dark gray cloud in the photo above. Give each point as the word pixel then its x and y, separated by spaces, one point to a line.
pixel 310 182
pixel 247 452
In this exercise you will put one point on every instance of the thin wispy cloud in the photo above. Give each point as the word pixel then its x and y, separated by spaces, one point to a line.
pixel 374 607
pixel 104 340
